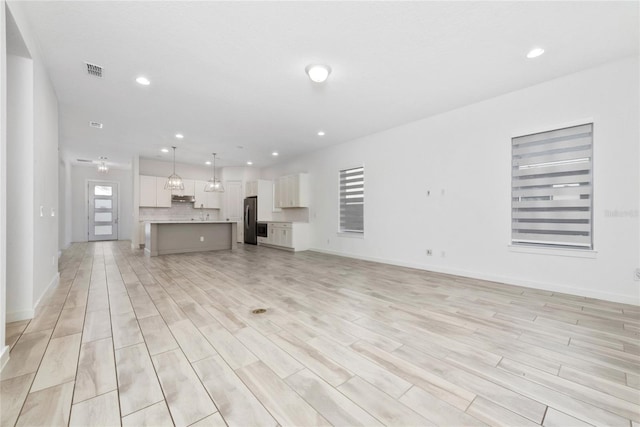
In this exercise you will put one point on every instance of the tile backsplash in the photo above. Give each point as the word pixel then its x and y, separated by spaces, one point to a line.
pixel 178 211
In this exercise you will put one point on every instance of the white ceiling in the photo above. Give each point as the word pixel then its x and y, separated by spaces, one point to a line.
pixel 229 74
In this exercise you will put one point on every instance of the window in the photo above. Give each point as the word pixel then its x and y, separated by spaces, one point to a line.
pixel 352 200
pixel 552 188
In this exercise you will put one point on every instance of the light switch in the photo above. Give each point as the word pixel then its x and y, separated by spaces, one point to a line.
pixel 53 212
pixel 41 211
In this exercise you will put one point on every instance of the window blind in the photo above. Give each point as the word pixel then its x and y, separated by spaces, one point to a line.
pixel 552 188
pixel 352 200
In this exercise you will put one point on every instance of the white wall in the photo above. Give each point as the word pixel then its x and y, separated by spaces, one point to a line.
pixel 45 264
pixel 4 349
pixel 80 175
pixel 463 158
pixel 20 211
pixel 32 171
pixel 64 204
pixel 185 170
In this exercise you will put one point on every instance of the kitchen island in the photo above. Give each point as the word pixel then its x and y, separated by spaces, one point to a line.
pixel 175 237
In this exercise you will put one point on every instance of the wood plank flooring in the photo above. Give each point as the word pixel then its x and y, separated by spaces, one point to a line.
pixel 172 340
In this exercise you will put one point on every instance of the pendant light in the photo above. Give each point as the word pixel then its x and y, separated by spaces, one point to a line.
pixel 102 167
pixel 174 182
pixel 214 185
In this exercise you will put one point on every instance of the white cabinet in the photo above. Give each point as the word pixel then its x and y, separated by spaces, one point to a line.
pixel 163 197
pixel 152 192
pixel 147 191
pixel 292 191
pixel 286 235
pixel 251 189
pixel 205 199
pixel 263 189
pixel 189 188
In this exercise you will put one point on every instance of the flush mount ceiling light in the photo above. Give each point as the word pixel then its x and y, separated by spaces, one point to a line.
pixel 174 182
pixel 321 133
pixel 165 150
pixel 208 163
pixel 249 162
pixel 143 81
pixel 179 135
pixel 535 52
pixel 275 153
pixel 214 185
pixel 318 73
pixel 102 167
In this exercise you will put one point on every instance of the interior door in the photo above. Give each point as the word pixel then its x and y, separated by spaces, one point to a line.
pixel 233 205
pixel 103 211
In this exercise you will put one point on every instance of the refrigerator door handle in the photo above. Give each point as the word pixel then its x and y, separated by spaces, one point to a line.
pixel 246 217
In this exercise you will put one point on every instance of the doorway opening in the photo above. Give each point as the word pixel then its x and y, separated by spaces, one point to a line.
pixel 103 211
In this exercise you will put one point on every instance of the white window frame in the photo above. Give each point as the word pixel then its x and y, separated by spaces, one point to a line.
pixel 579 224
pixel 346 232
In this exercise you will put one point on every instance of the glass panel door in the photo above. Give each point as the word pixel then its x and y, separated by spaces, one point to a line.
pixel 103 211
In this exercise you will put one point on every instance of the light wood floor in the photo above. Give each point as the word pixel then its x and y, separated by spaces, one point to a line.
pixel 172 340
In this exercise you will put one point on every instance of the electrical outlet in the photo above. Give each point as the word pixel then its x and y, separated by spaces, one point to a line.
pixel 429 252
pixel 637 276
pixel 202 238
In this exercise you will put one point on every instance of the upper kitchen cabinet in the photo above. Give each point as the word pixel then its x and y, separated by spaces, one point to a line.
pixel 263 189
pixel 251 189
pixel 206 199
pixel 292 191
pixel 189 188
pixel 152 192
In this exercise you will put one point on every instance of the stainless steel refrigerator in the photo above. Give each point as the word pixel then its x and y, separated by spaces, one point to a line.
pixel 250 220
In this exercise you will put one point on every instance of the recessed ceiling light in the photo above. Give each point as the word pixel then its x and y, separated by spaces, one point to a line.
pixel 275 153
pixel 321 133
pixel 207 162
pixel 179 135
pixel 249 162
pixel 143 81
pixel 165 150
pixel 534 53
pixel 318 73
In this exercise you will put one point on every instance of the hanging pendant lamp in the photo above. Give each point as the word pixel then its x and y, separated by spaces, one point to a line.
pixel 214 185
pixel 174 182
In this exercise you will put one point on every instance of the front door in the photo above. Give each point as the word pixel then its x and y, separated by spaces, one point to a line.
pixel 103 211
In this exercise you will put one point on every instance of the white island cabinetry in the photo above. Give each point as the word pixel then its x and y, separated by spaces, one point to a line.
pixel 293 236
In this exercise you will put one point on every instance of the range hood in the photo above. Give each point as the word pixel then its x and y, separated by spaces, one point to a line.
pixel 182 199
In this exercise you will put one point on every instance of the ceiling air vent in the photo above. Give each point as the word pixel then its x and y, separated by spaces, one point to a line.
pixel 94 70
pixel 95 125
pixel 84 160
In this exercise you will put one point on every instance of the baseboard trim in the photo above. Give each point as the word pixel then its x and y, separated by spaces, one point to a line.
pixel 53 282
pixel 16 316
pixel 4 357
pixel 524 283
